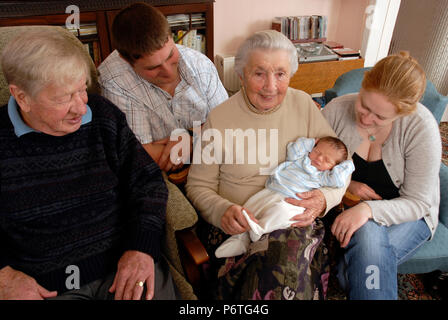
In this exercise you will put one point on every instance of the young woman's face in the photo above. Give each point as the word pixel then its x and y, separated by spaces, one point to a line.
pixel 266 78
pixel 373 110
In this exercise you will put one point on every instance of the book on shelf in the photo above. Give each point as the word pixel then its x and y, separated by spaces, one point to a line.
pixel 190 38
pixel 349 58
pixel 346 52
pixel 88 29
pixel 333 44
pixel 302 28
pixel 93 49
pixel 183 20
pixel 85 29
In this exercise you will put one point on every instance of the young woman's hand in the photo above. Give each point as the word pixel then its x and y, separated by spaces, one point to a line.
pixel 363 191
pixel 349 221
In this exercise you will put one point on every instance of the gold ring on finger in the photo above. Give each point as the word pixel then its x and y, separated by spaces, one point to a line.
pixel 139 283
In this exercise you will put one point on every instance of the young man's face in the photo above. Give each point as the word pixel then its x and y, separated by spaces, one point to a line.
pixel 160 67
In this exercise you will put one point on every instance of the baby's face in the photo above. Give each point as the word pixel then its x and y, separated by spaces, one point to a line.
pixel 324 156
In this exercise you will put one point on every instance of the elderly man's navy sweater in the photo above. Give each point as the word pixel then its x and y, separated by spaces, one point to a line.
pixel 81 199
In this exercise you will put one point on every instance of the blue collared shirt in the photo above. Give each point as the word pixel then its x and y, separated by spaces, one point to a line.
pixel 21 128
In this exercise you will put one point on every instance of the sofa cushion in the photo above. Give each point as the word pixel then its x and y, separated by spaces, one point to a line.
pixel 434 101
pixel 431 256
pixel 349 82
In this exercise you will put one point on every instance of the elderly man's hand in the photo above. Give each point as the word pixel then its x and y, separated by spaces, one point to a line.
pixel 16 285
pixel 135 269
pixel 314 203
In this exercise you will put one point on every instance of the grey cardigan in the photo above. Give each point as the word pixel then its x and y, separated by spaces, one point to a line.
pixel 411 154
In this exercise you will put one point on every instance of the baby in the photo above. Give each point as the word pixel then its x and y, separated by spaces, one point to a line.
pixel 310 164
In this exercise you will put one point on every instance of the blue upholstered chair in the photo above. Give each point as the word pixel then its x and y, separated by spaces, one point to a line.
pixel 433 255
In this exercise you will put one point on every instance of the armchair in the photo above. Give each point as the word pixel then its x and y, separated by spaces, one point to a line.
pixel 433 255
pixel 181 249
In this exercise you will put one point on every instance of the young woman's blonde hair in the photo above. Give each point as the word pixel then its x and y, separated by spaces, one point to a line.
pixel 400 78
pixel 44 56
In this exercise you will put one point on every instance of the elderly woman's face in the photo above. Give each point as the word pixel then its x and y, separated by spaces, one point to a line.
pixel 56 110
pixel 266 78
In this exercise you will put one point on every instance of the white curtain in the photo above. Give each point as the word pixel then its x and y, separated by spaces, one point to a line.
pixel 422 29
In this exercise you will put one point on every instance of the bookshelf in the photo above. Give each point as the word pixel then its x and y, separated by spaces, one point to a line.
pixel 96 19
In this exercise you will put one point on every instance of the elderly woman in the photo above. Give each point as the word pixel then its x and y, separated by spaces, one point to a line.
pixel 396 148
pixel 82 205
pixel 280 266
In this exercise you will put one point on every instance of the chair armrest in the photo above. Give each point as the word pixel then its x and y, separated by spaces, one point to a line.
pixel 193 246
pixel 180 215
pixel 182 247
pixel 193 255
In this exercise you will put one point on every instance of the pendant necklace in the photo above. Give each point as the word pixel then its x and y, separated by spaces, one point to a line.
pixel 372 137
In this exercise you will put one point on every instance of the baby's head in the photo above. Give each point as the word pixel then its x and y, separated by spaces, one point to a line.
pixel 327 153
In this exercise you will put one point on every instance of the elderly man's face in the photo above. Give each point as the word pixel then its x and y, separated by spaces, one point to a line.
pixel 56 110
pixel 266 78
pixel 160 67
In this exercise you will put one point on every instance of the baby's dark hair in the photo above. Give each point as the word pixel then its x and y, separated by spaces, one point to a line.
pixel 337 144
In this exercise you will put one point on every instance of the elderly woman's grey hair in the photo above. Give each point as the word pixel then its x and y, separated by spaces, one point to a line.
pixel 42 57
pixel 266 40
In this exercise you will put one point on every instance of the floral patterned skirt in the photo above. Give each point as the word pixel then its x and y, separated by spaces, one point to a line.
pixel 286 264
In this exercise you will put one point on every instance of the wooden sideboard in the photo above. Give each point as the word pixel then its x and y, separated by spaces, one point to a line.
pixel 316 77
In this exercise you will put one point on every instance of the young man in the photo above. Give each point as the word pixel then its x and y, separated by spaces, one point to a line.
pixel 159 85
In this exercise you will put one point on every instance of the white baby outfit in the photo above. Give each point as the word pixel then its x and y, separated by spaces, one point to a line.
pixel 294 175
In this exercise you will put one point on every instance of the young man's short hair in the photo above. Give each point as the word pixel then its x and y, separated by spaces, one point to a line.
pixel 139 30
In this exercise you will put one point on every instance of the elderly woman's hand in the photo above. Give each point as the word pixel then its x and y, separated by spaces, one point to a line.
pixel 234 222
pixel 135 269
pixel 314 203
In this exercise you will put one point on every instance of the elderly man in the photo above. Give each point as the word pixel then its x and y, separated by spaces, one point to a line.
pixel 82 205
pixel 159 85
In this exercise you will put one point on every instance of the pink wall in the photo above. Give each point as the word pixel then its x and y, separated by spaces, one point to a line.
pixel 237 19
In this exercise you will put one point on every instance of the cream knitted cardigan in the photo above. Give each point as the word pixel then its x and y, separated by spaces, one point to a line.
pixel 411 154
pixel 213 188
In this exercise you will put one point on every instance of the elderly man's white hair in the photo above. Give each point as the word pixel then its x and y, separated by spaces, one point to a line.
pixel 37 58
pixel 266 40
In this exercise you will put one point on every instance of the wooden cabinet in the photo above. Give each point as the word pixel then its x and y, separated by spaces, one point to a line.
pixel 316 77
pixel 98 16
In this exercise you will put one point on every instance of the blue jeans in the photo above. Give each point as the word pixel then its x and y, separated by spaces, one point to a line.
pixel 368 268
